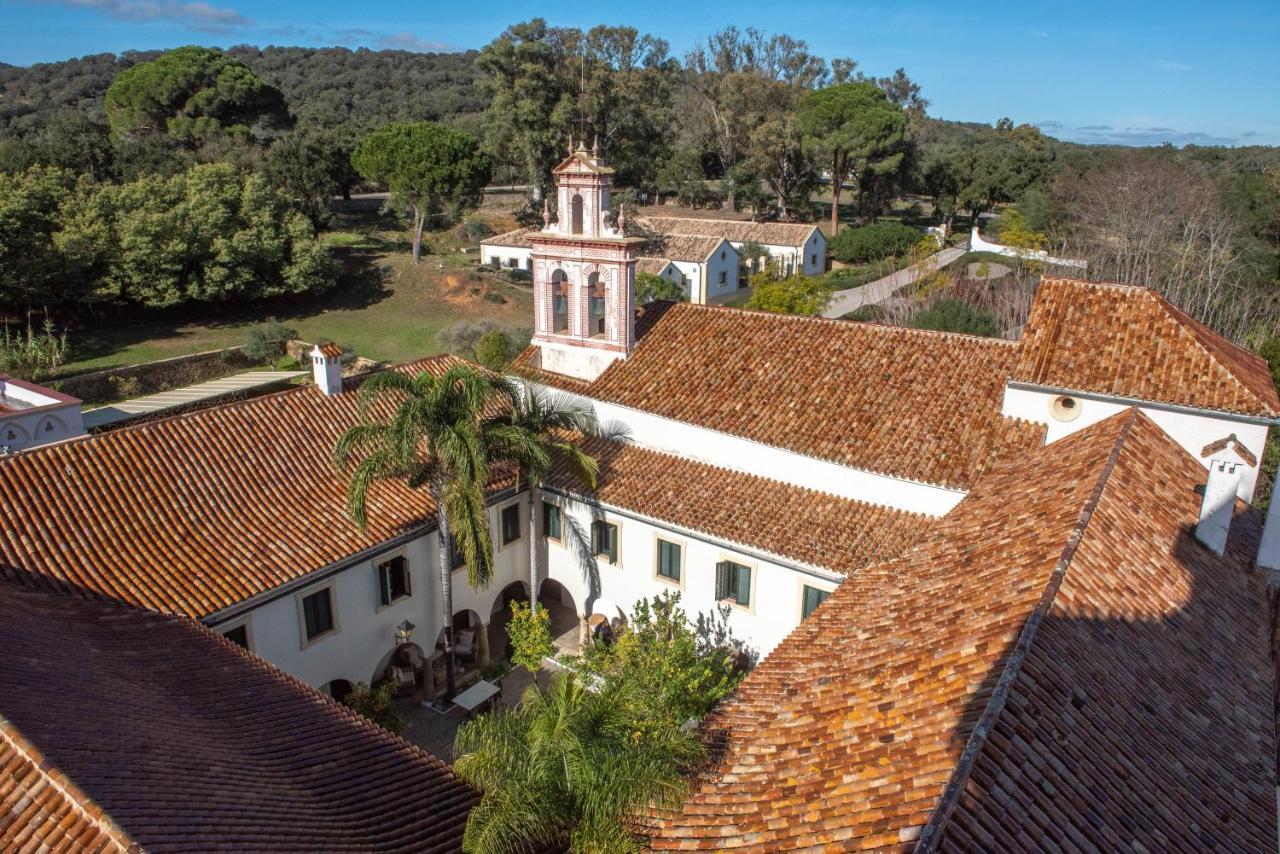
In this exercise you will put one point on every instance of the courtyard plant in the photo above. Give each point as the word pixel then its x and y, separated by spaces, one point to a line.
pixel 570 765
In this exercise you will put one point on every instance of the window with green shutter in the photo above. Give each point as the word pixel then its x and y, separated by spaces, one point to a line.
pixel 510 524
pixel 669 560
pixel 813 597
pixel 317 613
pixel 604 540
pixel 733 581
pixel 550 520
pixel 393 579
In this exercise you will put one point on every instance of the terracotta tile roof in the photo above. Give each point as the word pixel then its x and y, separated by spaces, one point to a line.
pixel 902 402
pixel 197 512
pixel 1130 341
pixel 654 266
pixel 1058 664
pixel 41 810
pixel 329 349
pixel 688 247
pixel 519 238
pixel 803 525
pixel 737 231
pixel 188 742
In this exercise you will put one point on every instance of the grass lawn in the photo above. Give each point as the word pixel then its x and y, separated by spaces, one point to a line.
pixel 384 307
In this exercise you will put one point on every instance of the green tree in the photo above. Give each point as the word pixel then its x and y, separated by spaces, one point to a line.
pixel 795 294
pixel 873 242
pixel 32 205
pixel 426 166
pixel 438 439
pixel 193 95
pixel 544 432
pixel 857 130
pixel 493 350
pixel 650 287
pixel 210 234
pixel 678 669
pixel 569 764
pixel 953 315
pixel 681 175
pixel 311 167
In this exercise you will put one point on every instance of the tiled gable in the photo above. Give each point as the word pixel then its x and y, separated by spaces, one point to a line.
pixel 1131 342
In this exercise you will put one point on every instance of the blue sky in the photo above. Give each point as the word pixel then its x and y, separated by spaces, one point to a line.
pixel 1130 71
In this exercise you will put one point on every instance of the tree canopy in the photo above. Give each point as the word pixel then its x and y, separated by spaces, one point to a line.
pixel 193 95
pixel 426 166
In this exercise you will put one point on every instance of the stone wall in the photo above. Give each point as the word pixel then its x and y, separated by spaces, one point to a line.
pixel 153 377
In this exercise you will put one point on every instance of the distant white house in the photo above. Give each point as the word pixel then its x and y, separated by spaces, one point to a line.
pixel 511 250
pixel 796 247
pixel 708 266
pixel 32 415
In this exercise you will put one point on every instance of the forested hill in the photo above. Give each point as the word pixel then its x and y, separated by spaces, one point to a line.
pixel 324 87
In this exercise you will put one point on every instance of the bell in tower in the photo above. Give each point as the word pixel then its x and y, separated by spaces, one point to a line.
pixel 583 273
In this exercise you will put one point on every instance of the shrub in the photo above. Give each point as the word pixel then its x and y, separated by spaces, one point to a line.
pixel 33 355
pixel 476 230
pixel 463 338
pixel 864 314
pixel 493 350
pixel 520 275
pixel 650 287
pixel 953 315
pixel 376 704
pixel 873 242
pixel 792 295
pixel 530 635
pixel 267 341
pixel 490 296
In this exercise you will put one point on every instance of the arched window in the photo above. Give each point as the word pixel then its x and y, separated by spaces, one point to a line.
pixel 559 301
pixel 575 216
pixel 595 293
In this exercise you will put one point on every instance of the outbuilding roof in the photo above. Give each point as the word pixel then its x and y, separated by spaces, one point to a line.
pixel 1058 665
pixel 737 231
pixel 512 239
pixel 1132 342
pixel 128 730
pixel 688 247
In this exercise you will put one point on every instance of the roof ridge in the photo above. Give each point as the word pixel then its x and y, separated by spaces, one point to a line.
pixel 932 831
pixel 71 794
pixel 881 328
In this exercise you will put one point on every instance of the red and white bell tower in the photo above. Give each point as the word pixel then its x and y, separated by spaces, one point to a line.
pixel 583 273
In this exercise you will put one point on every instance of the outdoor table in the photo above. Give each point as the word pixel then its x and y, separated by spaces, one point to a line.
pixel 476 696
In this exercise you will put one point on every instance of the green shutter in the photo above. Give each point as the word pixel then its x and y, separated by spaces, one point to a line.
pixel 611 542
pixel 813 597
pixel 595 538
pixel 742 590
pixel 384 583
pixel 724 576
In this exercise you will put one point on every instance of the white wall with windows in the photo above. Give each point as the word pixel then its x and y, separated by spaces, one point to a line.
pixel 510 257
pixel 650 557
pixel 361 636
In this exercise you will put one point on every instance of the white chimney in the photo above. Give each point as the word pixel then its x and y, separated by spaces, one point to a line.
pixel 1219 503
pixel 326 367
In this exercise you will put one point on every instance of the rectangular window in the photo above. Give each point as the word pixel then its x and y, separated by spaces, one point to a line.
pixel 733 582
pixel 669 560
pixel 238 635
pixel 813 259
pixel 317 613
pixel 724 278
pixel 604 540
pixel 393 579
pixel 510 524
pixel 813 597
pixel 495 261
pixel 456 560
pixel 551 520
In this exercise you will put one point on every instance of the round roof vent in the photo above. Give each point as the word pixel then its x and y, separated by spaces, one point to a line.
pixel 1064 408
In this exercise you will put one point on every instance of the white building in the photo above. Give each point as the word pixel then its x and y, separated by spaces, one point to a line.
pixel 708 266
pixel 796 247
pixel 32 415
pixel 511 250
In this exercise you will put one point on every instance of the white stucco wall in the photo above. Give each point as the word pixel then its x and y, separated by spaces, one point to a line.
pixel 734 452
pixel 776 588
pixel 1192 430
pixel 584 363
pixel 506 256
pixel 360 647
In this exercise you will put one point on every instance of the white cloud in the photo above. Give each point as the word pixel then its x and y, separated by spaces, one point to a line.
pixel 391 41
pixel 1169 65
pixel 193 14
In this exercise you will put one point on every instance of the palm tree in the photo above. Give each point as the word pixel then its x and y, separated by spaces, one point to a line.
pixel 541 435
pixel 437 437
pixel 570 763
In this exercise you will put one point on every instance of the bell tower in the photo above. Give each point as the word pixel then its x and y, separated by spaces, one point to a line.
pixel 583 273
